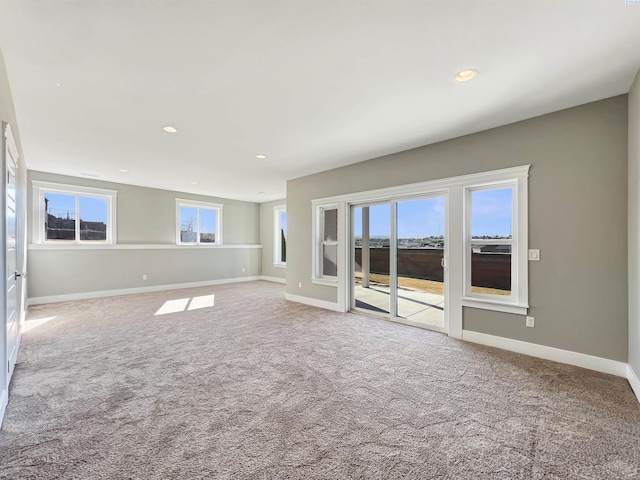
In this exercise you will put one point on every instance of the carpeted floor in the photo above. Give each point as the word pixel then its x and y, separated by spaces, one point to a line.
pixel 257 387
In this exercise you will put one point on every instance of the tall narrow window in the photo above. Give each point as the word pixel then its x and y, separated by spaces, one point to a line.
pixel 329 240
pixel 280 238
pixel 325 245
pixel 491 241
pixel 73 214
pixel 198 223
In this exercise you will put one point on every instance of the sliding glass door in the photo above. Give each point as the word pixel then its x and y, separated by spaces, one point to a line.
pixel 398 267
pixel 371 266
pixel 420 257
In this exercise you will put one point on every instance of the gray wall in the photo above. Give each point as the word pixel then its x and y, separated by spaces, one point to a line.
pixel 267 238
pixel 577 217
pixel 145 216
pixel 75 271
pixel 634 226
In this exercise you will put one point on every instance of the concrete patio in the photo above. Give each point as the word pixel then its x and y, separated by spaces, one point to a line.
pixel 415 305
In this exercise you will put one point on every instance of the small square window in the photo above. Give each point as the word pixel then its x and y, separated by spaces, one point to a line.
pixel 198 223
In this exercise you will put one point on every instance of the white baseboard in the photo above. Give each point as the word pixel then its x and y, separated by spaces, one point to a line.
pixel 313 302
pixel 128 291
pixel 590 362
pixel 273 279
pixel 633 381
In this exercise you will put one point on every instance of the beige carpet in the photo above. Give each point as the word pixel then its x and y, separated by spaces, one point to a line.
pixel 257 387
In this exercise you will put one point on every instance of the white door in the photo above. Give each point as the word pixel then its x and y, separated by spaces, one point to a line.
pixel 12 275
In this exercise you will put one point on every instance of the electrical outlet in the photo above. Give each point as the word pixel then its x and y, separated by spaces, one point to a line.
pixel 531 322
pixel 299 284
pixel 144 277
pixel 243 269
pixel 534 254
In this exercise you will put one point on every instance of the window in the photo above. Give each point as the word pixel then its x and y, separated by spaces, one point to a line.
pixel 491 241
pixel 495 245
pixel 198 223
pixel 67 214
pixel 280 238
pixel 485 234
pixel 329 242
pixel 326 244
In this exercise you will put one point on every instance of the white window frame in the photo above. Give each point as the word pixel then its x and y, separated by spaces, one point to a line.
pixel 318 276
pixel 181 202
pixel 454 187
pixel 517 301
pixel 277 243
pixel 38 213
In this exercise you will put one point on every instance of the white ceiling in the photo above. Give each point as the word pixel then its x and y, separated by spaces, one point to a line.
pixel 314 84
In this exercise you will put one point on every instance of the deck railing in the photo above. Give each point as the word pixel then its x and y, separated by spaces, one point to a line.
pixel 490 270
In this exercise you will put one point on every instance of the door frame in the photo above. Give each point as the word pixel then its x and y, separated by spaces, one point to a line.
pixel 9 146
pixel 392 201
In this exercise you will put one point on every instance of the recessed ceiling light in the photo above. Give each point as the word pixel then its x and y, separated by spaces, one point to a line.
pixel 194 183
pixel 170 129
pixel 466 75
pixel 261 155
pixel 58 85
pixel 123 170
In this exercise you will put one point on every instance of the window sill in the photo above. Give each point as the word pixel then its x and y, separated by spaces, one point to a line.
pixel 199 245
pixel 63 245
pixel 280 265
pixel 496 306
pixel 132 246
pixel 325 281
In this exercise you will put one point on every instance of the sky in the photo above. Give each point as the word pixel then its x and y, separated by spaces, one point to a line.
pixel 283 223
pixel 491 212
pixel 207 219
pixel 92 209
pixel 491 216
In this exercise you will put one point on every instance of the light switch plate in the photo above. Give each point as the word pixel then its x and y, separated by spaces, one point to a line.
pixel 534 254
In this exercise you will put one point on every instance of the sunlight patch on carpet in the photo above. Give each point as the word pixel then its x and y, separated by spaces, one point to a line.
pixel 201 302
pixel 35 323
pixel 173 306
pixel 183 304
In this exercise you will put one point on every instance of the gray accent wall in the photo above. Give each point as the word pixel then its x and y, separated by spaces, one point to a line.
pixel 634 226
pixel 145 216
pixel 577 218
pixel 267 236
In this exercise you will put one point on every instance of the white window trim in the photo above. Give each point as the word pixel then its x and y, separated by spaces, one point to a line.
pixel 317 275
pixel 518 301
pixel 277 226
pixel 455 188
pixel 38 213
pixel 181 202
